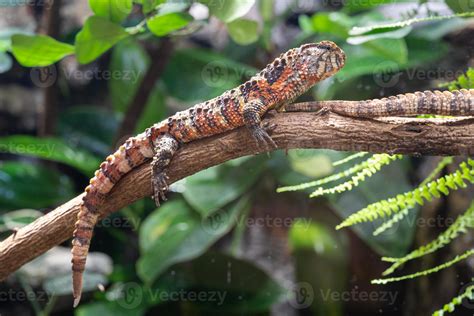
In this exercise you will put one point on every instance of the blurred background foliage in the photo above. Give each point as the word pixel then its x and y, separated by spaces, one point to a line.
pixel 225 242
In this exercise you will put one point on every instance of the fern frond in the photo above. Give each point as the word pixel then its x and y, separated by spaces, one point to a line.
pixel 401 215
pixel 451 306
pixel 334 177
pixel 372 165
pixel 426 192
pixel 443 163
pixel 349 158
pixel 388 224
pixel 426 272
pixel 460 225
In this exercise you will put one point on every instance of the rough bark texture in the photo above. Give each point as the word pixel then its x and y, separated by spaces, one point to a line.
pixel 294 130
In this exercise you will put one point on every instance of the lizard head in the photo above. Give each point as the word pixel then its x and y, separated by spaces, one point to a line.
pixel 318 61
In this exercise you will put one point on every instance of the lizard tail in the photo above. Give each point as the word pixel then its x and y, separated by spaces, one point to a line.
pixel 455 103
pixel 134 152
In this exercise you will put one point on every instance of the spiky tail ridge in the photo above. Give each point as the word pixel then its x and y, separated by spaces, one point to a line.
pixel 454 103
pixel 134 152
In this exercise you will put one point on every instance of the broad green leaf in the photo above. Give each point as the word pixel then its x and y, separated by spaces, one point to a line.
pixel 5 62
pixel 460 6
pixel 390 48
pixel 110 309
pixel 243 31
pixel 304 162
pixel 241 287
pixel 131 62
pixel 209 190
pixel 352 6
pixel 6 36
pixel 113 10
pixel 228 10
pixel 96 37
pixel 162 25
pixel 208 74
pixel 150 5
pixel 38 50
pixel 335 23
pixel 175 233
pixel 49 149
pixel 396 34
pixel 19 218
pixel 25 185
pixel 386 27
pixel 91 128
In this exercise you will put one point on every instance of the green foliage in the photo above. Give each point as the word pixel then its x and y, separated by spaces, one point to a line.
pixel 243 31
pixel 112 10
pixel 361 170
pixel 461 225
pixel 163 24
pixel 349 158
pixel 51 149
pixel 425 192
pixel 456 301
pixel 96 37
pixel 428 271
pixel 465 81
pixel 229 10
pixel 382 28
pixel 38 50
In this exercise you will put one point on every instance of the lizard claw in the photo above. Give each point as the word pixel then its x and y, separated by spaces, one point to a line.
pixel 264 141
pixel 160 187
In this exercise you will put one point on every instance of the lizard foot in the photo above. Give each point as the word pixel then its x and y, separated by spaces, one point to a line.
pixel 160 187
pixel 264 141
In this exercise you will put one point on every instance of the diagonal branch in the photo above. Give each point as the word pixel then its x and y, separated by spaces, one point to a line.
pixel 294 130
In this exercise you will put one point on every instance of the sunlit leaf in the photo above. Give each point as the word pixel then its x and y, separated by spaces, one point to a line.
pixel 113 10
pixel 243 31
pixel 38 50
pixel 96 37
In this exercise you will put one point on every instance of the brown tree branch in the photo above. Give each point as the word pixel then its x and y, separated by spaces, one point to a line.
pixel 294 130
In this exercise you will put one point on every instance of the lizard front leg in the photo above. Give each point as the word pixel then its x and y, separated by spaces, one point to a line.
pixel 252 113
pixel 165 147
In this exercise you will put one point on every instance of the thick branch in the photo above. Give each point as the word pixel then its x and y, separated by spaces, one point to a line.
pixel 294 130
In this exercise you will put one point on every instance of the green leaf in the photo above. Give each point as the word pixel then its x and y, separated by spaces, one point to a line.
pixel 396 34
pixel 38 50
pixel 150 5
pixel 240 287
pixel 335 23
pixel 50 149
pixel 229 10
pixel 19 218
pixel 175 234
pixel 112 10
pixel 460 6
pixel 208 74
pixel 96 37
pixel 110 309
pixel 131 62
pixel 213 188
pixel 303 161
pixel 162 25
pixel 91 128
pixel 386 27
pixel 243 31
pixel 25 185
